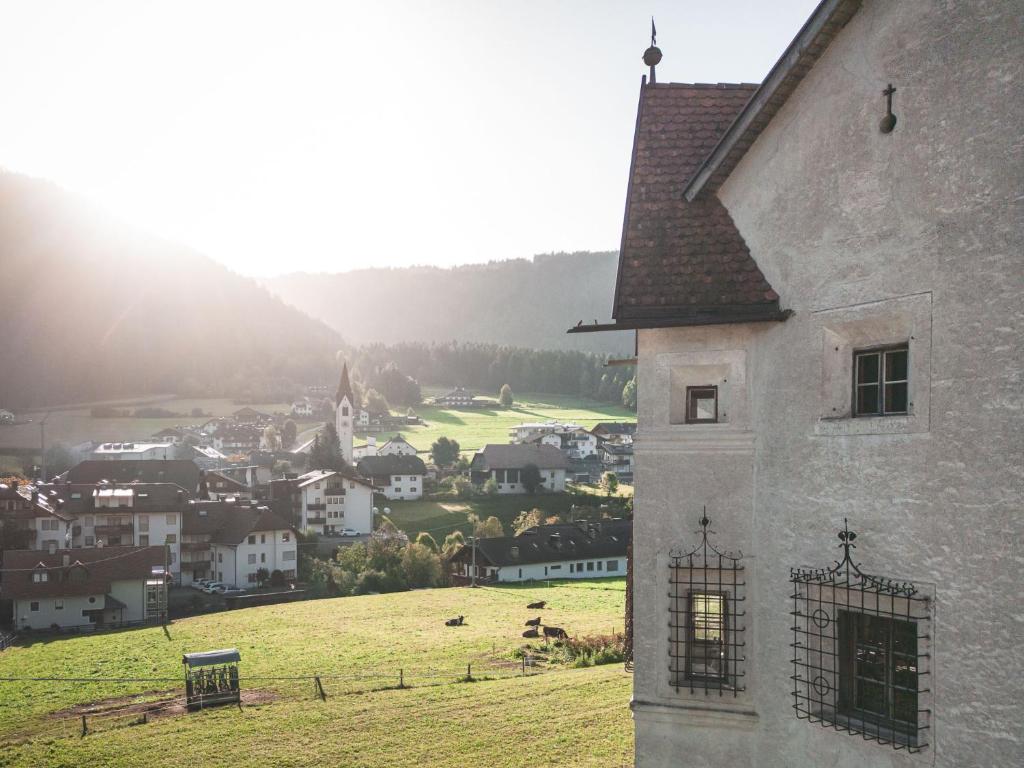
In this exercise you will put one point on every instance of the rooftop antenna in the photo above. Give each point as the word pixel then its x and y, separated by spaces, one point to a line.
pixel 652 56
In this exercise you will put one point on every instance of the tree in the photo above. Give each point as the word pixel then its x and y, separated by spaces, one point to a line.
pixel 491 487
pixel 463 487
pixel 421 565
pixel 262 577
pixel 427 540
pixel 326 451
pixel 277 578
pixel 58 460
pixel 505 397
pixel 530 477
pixel 376 403
pixel 629 394
pixel 610 483
pixel 527 519
pixel 289 433
pixel 444 451
pixel 272 438
pixel 452 542
pixel 491 528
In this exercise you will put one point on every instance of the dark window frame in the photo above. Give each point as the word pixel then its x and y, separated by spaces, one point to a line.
pixel 691 410
pixel 851 679
pixel 880 382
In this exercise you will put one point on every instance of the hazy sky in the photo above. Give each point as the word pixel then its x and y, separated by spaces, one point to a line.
pixel 327 136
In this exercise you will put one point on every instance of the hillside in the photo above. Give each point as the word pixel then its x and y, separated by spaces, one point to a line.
pixel 522 302
pixel 357 645
pixel 93 309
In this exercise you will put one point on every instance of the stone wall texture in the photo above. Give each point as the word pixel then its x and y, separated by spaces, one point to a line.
pixel 865 236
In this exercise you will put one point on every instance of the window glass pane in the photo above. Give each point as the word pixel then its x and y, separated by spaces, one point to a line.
pixel 896 398
pixel 870 662
pixel 867 368
pixel 867 399
pixel 896 365
pixel 905 637
pixel 905 707
pixel 871 697
pixel 704 407
pixel 905 674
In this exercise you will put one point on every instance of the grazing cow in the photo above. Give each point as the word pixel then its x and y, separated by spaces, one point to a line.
pixel 533 622
pixel 456 622
pixel 531 633
pixel 538 605
pixel 556 632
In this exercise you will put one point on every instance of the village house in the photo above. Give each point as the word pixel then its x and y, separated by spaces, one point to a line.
pixel 618 458
pixel 460 398
pixel 248 538
pixel 133 451
pixel 577 444
pixel 397 476
pixel 824 275
pixel 580 550
pixel 234 439
pixel 622 431
pixel 32 520
pixel 527 431
pixel 220 485
pixel 247 415
pixel 396 446
pixel 333 501
pixel 505 464
pixel 369 448
pixel 85 588
pixel 302 409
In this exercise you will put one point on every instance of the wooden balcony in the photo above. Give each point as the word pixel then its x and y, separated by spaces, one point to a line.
pixel 114 530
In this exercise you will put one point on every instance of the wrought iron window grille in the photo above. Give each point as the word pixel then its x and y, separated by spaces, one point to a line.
pixel 860 652
pixel 707 620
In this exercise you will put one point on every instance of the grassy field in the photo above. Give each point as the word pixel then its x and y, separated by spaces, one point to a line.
pixel 72 425
pixel 439 518
pixel 350 641
pixel 475 428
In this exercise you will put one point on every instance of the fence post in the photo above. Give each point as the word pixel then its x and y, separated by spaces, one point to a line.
pixel 320 688
pixel 524 665
pixel 469 673
pixel 85 728
pixel 401 678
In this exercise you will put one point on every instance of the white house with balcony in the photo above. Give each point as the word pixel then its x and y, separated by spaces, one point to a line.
pixel 332 501
pixel 505 464
pixel 250 538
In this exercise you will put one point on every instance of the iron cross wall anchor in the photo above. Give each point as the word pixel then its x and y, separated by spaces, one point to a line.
pixel 889 121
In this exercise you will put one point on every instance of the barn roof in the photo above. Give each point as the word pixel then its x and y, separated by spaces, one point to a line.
pixel 518 455
pixel 391 464
pixel 555 543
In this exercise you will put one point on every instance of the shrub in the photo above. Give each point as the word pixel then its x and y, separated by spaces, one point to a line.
pixel 277 578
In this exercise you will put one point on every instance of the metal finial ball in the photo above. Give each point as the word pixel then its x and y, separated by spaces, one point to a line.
pixel 652 56
pixel 887 123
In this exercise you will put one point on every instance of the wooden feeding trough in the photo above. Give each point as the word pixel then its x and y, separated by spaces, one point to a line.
pixel 211 678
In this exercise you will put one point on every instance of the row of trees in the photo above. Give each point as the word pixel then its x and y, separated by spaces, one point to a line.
pixel 393 370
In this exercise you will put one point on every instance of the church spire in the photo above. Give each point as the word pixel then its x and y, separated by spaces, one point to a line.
pixel 344 387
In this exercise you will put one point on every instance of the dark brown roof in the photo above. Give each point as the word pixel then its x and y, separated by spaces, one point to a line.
pixel 178 471
pixel 518 455
pixel 89 572
pixel 554 543
pixel 344 387
pixel 239 522
pixel 684 260
pixel 391 464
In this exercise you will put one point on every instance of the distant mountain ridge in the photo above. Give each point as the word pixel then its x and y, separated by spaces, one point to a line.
pixel 93 309
pixel 521 302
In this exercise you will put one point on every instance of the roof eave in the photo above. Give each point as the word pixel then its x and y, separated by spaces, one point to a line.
pixel 784 77
pixel 686 320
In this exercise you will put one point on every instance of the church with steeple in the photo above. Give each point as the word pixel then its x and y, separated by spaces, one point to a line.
pixel 344 414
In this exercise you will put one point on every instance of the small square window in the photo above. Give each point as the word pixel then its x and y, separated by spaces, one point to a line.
pixel 252 539
pixel 33 606
pixel 701 405
pixel 880 381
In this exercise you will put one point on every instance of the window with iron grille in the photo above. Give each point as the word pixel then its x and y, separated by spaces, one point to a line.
pixel 707 620
pixel 860 652
pixel 880 385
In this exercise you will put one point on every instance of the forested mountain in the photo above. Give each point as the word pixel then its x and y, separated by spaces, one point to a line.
pixel 93 309
pixel 521 303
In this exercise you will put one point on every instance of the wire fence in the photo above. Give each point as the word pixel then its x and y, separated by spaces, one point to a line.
pixel 147 699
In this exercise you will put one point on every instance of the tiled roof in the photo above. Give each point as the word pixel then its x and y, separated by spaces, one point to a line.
pixel 555 543
pixel 518 455
pixel 89 571
pixel 181 472
pixel 239 522
pixel 392 464
pixel 684 259
pixel 344 387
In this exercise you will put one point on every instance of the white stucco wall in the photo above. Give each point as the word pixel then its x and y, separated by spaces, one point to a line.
pixel 867 237
pixel 268 550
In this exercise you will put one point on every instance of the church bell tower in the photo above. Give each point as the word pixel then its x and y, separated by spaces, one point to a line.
pixel 344 414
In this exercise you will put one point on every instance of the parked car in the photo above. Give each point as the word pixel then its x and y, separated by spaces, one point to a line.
pixel 213 586
pixel 349 532
pixel 233 591
pixel 201 584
